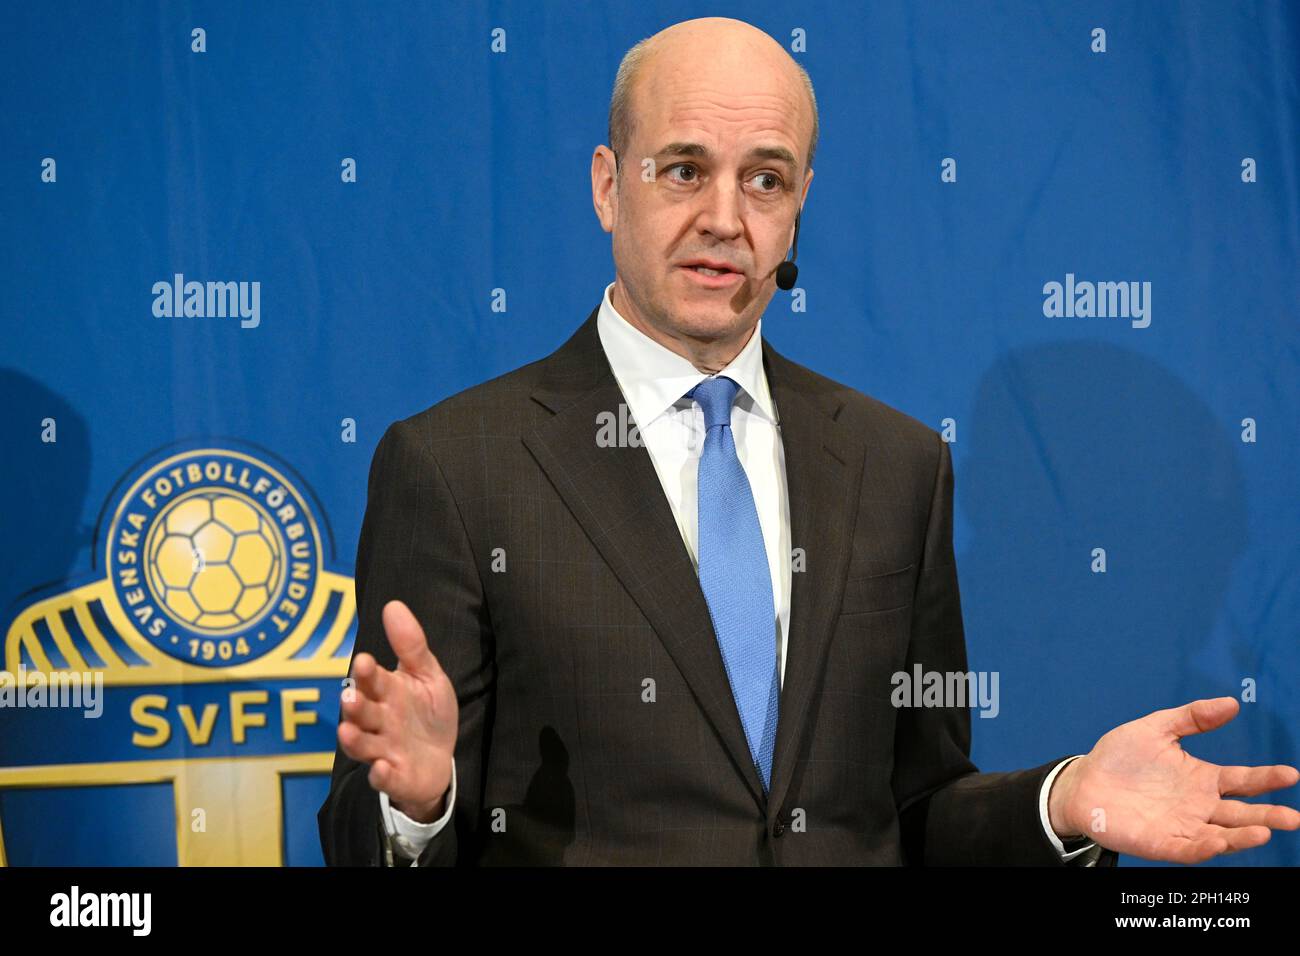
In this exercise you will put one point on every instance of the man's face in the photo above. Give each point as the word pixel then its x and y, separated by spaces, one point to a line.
pixel 714 173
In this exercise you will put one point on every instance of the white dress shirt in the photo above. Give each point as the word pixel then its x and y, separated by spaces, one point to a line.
pixel 654 381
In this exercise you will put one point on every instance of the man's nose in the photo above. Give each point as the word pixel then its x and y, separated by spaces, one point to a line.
pixel 723 203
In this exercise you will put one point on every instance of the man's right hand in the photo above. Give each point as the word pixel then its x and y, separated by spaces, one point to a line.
pixel 403 722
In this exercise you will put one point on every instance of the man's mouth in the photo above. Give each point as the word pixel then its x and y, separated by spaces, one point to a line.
pixel 710 267
pixel 712 276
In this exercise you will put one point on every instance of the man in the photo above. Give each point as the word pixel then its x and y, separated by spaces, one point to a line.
pixel 641 602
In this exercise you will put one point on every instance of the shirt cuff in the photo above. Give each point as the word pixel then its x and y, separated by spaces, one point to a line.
pixel 410 836
pixel 1046 819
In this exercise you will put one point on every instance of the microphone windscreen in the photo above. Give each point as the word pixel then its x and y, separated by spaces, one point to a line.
pixel 786 273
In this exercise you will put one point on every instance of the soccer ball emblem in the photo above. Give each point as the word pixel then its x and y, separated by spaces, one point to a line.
pixel 214 560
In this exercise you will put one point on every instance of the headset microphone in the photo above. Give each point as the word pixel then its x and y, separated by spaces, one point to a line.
pixel 787 272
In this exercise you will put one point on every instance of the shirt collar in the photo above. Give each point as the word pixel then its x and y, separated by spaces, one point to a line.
pixel 653 377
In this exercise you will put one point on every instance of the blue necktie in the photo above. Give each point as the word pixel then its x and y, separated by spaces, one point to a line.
pixel 734 574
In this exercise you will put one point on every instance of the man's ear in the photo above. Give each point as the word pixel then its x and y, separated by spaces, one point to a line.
pixel 604 187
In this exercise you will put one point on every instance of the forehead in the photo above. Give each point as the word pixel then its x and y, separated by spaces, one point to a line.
pixel 722 101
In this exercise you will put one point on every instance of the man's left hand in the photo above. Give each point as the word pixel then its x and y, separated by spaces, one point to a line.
pixel 1138 792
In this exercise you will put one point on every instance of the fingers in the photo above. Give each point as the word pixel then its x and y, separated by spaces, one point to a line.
pixel 1236 813
pixel 363 709
pixel 359 745
pixel 366 713
pixel 1199 716
pixel 1252 781
pixel 372 680
pixel 382 776
pixel 1224 840
pixel 408 642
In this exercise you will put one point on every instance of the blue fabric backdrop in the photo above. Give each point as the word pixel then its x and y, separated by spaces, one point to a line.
pixel 1169 159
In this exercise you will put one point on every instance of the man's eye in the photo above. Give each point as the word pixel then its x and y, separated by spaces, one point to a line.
pixel 771 182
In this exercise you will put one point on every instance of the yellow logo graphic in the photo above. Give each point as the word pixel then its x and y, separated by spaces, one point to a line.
pixel 231 543
pixel 221 639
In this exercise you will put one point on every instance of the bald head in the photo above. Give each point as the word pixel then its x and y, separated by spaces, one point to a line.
pixel 731 52
pixel 718 125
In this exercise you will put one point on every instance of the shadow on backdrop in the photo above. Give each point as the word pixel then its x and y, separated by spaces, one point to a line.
pixel 1074 446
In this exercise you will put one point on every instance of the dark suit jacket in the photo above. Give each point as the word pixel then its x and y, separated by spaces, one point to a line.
pixel 564 756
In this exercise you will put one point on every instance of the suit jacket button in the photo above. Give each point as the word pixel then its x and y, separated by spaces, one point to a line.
pixel 779 828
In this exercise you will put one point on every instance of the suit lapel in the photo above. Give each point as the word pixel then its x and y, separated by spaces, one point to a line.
pixel 823 466
pixel 615 494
